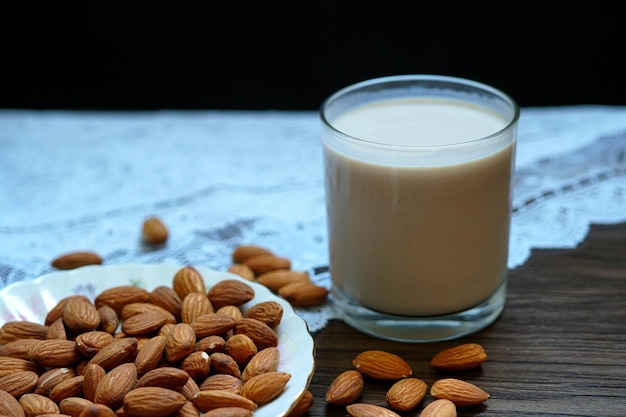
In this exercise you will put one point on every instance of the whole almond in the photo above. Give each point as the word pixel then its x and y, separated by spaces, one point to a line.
pixel 265 360
pixel 369 410
pixel 96 410
pixel 165 297
pixel 244 271
pixel 92 376
pixel 9 405
pixel 222 363
pixel 439 408
pixel 51 378
pixel 9 365
pixel 19 382
pixel 80 315
pixel 406 394
pixel 188 410
pixel 117 297
pixel 382 365
pixel 90 343
pixel 179 342
pixel 231 311
pixel 76 259
pixel 265 387
pixel 154 231
pixel 17 348
pixel 190 389
pixel 222 382
pixel 460 358
pixel 241 348
pixel 262 264
pixel 346 388
pixel 56 312
pixel 115 353
pixel 210 344
pixel 276 279
pixel 303 405
pixel 73 406
pixel 36 404
pixel 243 252
pixel 212 324
pixel 186 280
pixel 195 304
pixel 229 412
pixel 303 294
pixel 115 385
pixel 133 309
pixel 143 324
pixel 55 353
pixel 261 334
pixel 71 387
pixel 230 292
pixel 17 330
pixel 57 330
pixel 268 312
pixel 150 354
pixel 211 399
pixel 197 365
pixel 164 377
pixel 152 402
pixel 461 393
pixel 109 320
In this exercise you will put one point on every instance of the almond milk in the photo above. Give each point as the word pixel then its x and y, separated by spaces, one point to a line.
pixel 425 233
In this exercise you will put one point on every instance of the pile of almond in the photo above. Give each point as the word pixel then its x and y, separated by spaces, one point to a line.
pixel 181 350
pixel 406 391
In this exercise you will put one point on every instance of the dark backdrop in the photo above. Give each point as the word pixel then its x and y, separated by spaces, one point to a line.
pixel 268 55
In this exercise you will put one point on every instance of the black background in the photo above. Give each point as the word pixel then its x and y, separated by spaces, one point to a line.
pixel 290 56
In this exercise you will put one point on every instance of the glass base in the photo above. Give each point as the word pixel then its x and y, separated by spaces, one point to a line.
pixel 424 328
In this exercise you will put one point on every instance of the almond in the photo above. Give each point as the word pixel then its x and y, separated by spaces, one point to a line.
pixel 19 382
pixel 406 394
pixel 92 376
pixel 460 358
pixel 17 330
pixel 8 365
pixel 36 404
pixel 179 342
pixel 195 304
pixel 118 352
pixel 165 297
pixel 97 410
pixel 229 412
pixel 186 280
pixel 439 408
pixel 461 393
pixel 244 271
pixel 73 406
pixel 212 399
pixel 346 388
pixel 275 280
pixel 268 312
pixel 118 297
pixel 230 292
pixel 212 324
pixel 222 363
pixel 210 344
pixel 303 294
pixel 51 378
pixel 164 377
pixel 150 354
pixel 369 410
pixel 133 309
pixel 190 389
pixel 77 259
pixel 90 343
pixel 241 348
pixel 17 348
pixel 265 360
pixel 56 330
pixel 261 334
pixel 57 311
pixel 143 324
pixel 243 252
pixel 9 406
pixel 261 264
pixel 154 231
pixel 109 320
pixel 303 405
pixel 71 387
pixel 115 385
pixel 188 410
pixel 381 365
pixel 152 402
pixel 197 365
pixel 231 311
pixel 55 353
pixel 222 382
pixel 265 387
pixel 80 315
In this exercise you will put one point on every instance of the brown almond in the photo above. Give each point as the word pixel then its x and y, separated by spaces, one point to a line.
pixel 76 259
pixel 188 410
pixel 262 264
pixel 439 408
pixel 118 352
pixel 109 320
pixel 55 353
pixel 230 310
pixel 92 376
pixel 97 410
pixel 51 378
pixel 150 354
pixel 346 388
pixel 17 330
pixel 303 405
pixel 186 280
pixel 36 404
pixel 381 365
pixel 222 382
pixel 261 334
pixel 212 324
pixel 190 389
pixel 460 358
pixel 133 309
pixel 80 316
pixel 71 387
pixel 265 387
pixel 73 406
pixel 304 294
pixel 222 363
pixel 164 377
pixel 195 304
pixel 154 231
pixel 118 382
pixel 90 343
pixel 212 399
pixel 165 297
pixel 143 324
pixel 406 394
pixel 230 292
pixel 56 312
pixel 9 405
pixel 17 348
pixel 265 360
pixel 8 365
pixel 276 279
pixel 461 393
pixel 197 365
pixel 229 412
pixel 117 297
pixel 244 271
pixel 179 342
pixel 241 348
pixel 369 410
pixel 210 344
pixel 19 382
pixel 268 312
pixel 57 330
pixel 243 252
pixel 152 402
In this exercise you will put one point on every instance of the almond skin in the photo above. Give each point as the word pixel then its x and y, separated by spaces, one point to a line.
pixel 115 385
pixel 369 410
pixel 406 394
pixel 152 402
pixel 164 377
pixel 80 316
pixel 381 365
pixel 36 404
pixel 265 387
pixel 222 382
pixel 346 388
pixel 9 365
pixel 118 297
pixel 460 358
pixel 303 294
pixel 230 292
pixel 186 280
pixel 439 408
pixel 275 280
pixel 179 342
pixel 243 252
pixel 268 312
pixel 261 334
pixel 461 393
pixel 55 353
pixel 77 259
pixel 229 412
pixel 210 400
pixel 265 360
pixel 19 382
pixel 261 264
pixel 17 330
pixel 154 231
pixel 244 271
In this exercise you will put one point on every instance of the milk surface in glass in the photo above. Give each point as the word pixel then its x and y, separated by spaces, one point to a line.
pixel 419 239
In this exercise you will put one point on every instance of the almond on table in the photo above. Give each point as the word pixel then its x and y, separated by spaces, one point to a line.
pixel 460 358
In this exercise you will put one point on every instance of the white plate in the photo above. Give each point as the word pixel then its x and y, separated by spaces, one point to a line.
pixel 31 300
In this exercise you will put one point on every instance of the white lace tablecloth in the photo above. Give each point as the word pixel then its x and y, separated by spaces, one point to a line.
pixel 85 181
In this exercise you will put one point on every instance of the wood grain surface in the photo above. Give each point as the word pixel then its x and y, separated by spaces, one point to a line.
pixel 559 348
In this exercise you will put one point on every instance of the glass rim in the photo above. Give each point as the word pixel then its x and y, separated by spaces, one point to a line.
pixel 419 78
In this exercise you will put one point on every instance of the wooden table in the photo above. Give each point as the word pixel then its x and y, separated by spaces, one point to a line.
pixel 559 348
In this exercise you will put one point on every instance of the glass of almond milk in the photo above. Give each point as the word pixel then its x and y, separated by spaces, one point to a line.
pixel 418 175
